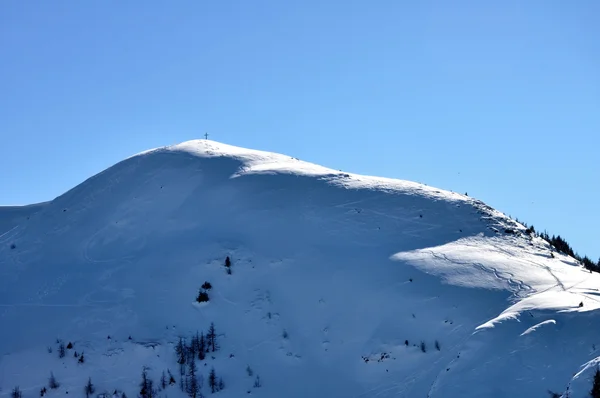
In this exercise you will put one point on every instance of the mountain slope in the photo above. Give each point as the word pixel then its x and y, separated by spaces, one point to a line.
pixel 336 281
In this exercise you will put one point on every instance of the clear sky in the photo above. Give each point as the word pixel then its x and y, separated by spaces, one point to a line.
pixel 500 99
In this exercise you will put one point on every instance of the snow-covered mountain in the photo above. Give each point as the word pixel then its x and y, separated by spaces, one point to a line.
pixel 341 285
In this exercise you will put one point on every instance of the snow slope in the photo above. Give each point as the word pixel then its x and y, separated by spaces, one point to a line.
pixel 332 275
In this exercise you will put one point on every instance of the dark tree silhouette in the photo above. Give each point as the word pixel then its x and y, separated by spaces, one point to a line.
pixel 146 385
pixel 89 388
pixel 163 380
pixel 206 286
pixel 193 384
pixel 257 382
pixel 61 350
pixel 211 338
pixel 180 350
pixel 227 262
pixel 212 381
pixel 202 297
pixel 202 347
pixel 52 383
pixel 171 378
pixel 595 391
pixel 16 393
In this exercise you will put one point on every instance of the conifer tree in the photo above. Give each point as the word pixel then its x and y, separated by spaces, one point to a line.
pixel 202 347
pixel 163 380
pixel 212 380
pixel 61 350
pixel 89 388
pixel 52 383
pixel 193 384
pixel 16 393
pixel 146 385
pixel 211 337
pixel 595 391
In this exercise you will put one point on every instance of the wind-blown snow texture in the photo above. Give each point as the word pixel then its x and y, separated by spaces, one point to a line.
pixel 349 266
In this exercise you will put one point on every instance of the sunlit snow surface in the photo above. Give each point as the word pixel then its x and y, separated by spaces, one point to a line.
pixel 350 268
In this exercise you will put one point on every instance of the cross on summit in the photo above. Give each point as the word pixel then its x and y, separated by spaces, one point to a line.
pixel 205 136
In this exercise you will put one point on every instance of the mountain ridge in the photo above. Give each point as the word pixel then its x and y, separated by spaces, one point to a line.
pixel 319 255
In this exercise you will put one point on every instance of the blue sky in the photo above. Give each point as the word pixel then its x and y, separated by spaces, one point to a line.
pixel 500 99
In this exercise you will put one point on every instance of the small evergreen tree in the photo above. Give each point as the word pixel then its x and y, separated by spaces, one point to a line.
pixel 52 383
pixel 212 380
pixel 423 346
pixel 191 349
pixel 61 350
pixel 227 262
pixel 81 358
pixel 206 286
pixel 16 393
pixel 221 384
pixel 202 347
pixel 171 378
pixel 595 391
pixel 202 297
pixel 211 337
pixel 163 380
pixel 43 391
pixel 89 388
pixel 146 385
pixel 257 382
pixel 192 385
pixel 180 350
pixel 437 345
pixel 249 371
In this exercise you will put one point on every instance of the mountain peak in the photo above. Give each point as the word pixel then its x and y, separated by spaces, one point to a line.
pixel 323 283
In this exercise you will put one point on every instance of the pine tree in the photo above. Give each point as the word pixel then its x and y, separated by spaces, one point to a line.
pixel 202 347
pixel 180 349
pixel 202 296
pixel 52 383
pixel 16 393
pixel 257 382
pixel 61 350
pixel 228 262
pixel 192 384
pixel 212 338
pixel 191 349
pixel 146 385
pixel 221 384
pixel 595 391
pixel 89 388
pixel 171 378
pixel 163 380
pixel 212 380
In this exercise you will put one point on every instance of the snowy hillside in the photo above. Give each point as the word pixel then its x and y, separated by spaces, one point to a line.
pixel 340 285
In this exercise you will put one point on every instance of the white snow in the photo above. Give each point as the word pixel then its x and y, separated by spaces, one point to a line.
pixel 348 267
